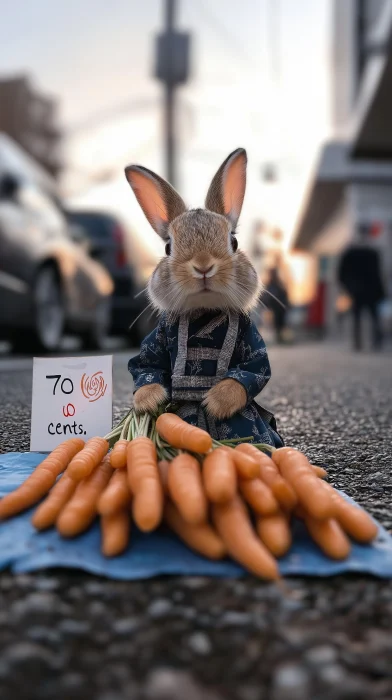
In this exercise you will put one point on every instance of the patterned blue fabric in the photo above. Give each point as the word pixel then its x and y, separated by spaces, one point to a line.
pixel 158 553
pixel 248 365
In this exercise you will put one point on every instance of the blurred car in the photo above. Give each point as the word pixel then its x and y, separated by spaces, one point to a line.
pixel 48 283
pixel 108 240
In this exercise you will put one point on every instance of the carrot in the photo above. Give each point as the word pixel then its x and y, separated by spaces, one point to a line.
pixel 47 512
pixel 283 492
pixel 202 538
pixel 186 488
pixel 259 496
pixel 78 514
pixel 163 467
pixel 41 480
pixel 233 525
pixel 219 476
pixel 329 536
pixel 275 533
pixel 115 531
pixel 354 520
pixel 182 435
pixel 296 469
pixel 145 483
pixel 85 462
pixel 319 471
pixel 118 455
pixel 117 495
pixel 246 465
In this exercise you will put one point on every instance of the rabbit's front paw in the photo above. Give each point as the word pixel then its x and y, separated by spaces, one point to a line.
pixel 148 398
pixel 225 399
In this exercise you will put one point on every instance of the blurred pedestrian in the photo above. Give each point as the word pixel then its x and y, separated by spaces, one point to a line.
pixel 256 242
pixel 359 273
pixel 277 301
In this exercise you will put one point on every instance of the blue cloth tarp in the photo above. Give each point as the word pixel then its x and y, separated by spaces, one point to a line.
pixel 23 549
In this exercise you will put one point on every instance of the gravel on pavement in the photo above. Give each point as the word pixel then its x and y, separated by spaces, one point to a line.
pixel 65 634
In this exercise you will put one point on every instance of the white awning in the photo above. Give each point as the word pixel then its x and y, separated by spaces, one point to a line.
pixel 335 169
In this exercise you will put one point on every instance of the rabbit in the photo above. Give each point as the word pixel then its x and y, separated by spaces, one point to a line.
pixel 204 279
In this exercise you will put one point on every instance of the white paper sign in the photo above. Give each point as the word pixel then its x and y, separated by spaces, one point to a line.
pixel 72 396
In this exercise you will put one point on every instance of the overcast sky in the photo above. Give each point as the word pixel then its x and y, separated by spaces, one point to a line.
pixel 258 81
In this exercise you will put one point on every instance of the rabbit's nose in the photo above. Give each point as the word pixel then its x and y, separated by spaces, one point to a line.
pixel 204 272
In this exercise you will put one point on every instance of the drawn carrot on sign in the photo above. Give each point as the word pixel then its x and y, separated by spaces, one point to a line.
pixel 94 387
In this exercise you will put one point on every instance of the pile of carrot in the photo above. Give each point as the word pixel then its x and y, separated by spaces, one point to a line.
pixel 229 498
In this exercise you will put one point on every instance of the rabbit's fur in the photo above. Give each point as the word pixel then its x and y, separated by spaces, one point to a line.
pixel 203 269
pixel 200 238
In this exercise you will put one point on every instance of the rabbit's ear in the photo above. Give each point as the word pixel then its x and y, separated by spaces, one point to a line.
pixel 226 192
pixel 159 200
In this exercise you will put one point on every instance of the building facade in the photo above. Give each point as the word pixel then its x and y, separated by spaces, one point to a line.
pixel 351 187
pixel 30 119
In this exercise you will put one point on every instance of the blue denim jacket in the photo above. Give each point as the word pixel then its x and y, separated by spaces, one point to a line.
pixel 190 355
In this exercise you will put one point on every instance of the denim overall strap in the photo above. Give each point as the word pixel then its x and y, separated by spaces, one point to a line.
pixel 228 346
pixel 191 389
pixel 179 365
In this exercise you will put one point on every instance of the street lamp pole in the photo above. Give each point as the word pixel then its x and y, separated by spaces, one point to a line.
pixel 169 117
pixel 172 69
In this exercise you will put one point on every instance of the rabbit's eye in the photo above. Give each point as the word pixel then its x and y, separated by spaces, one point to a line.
pixel 234 243
pixel 168 248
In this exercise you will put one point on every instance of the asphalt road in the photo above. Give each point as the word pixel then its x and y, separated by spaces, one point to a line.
pixel 69 635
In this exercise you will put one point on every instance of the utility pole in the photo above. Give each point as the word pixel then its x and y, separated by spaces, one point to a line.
pixel 172 69
pixel 170 101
